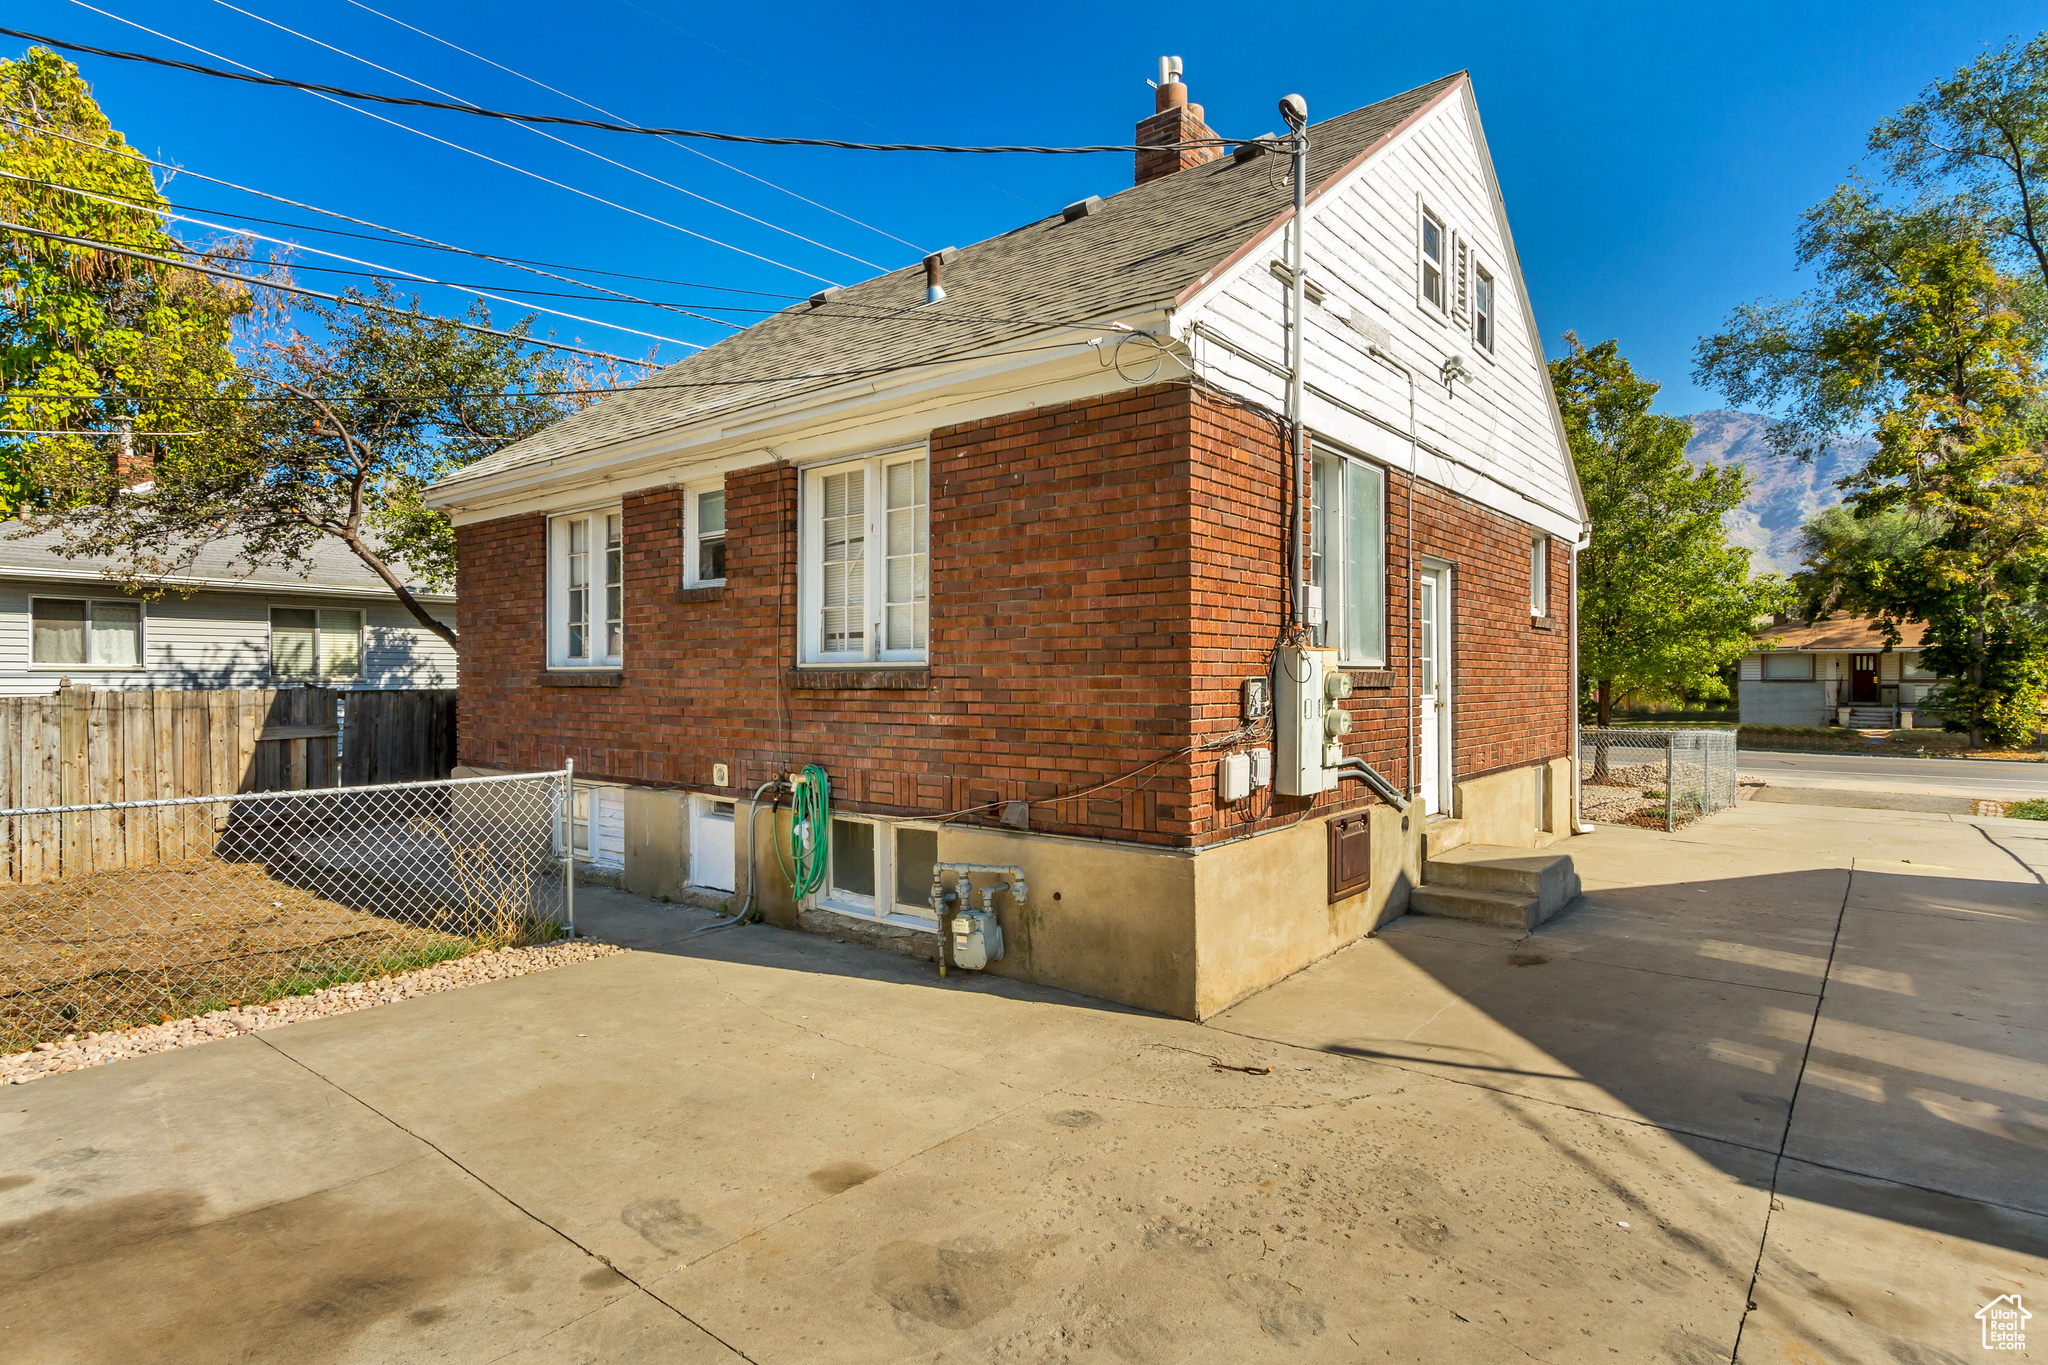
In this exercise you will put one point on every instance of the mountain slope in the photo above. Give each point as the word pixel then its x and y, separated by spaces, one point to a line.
pixel 1783 493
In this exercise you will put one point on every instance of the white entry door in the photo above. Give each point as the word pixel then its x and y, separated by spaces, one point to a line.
pixel 1433 684
pixel 711 844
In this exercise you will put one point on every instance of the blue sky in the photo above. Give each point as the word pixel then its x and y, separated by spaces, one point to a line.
pixel 1654 159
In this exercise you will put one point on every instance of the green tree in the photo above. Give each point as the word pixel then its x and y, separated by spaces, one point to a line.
pixel 1959 458
pixel 1967 162
pixel 90 340
pixel 344 427
pixel 1665 602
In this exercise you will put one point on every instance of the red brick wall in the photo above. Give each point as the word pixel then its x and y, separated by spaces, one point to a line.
pixel 1103 575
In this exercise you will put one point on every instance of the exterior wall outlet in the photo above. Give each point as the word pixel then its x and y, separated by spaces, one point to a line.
pixel 1258 699
pixel 721 776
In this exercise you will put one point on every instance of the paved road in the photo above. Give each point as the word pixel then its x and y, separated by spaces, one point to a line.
pixel 1948 776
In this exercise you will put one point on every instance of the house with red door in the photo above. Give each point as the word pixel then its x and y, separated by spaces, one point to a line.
pixel 1005 544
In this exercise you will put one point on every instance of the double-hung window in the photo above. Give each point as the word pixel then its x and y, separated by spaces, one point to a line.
pixel 68 630
pixel 308 642
pixel 586 589
pixel 1482 308
pixel 704 512
pixel 1348 557
pixel 863 582
pixel 1434 260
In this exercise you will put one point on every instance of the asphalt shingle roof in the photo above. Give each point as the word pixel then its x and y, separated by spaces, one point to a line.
pixel 329 566
pixel 1140 248
pixel 1839 632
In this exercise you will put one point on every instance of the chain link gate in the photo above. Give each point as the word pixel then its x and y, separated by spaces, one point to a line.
pixel 126 913
pixel 1656 779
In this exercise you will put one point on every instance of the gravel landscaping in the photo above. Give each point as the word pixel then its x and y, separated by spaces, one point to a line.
pixel 91 1049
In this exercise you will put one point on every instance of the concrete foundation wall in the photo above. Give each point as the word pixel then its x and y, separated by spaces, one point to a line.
pixel 1520 808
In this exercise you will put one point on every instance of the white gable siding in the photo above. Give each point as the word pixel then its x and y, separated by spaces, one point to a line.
pixel 1362 252
pixel 218 639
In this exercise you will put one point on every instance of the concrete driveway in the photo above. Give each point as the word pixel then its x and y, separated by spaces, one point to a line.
pixel 1792 1057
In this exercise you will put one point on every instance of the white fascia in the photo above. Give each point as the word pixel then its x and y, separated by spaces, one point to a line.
pixel 845 419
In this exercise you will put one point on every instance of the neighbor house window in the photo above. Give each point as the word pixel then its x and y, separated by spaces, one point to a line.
pixel 1482 307
pixel 1539 576
pixel 880 869
pixel 70 630
pixel 1347 557
pixel 863 581
pixel 1788 667
pixel 306 642
pixel 586 589
pixel 705 510
pixel 1433 260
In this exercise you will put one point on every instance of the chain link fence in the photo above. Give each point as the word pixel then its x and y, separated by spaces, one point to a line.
pixel 125 913
pixel 1657 779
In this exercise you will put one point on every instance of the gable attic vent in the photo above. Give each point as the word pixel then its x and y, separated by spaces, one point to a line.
pixel 1081 208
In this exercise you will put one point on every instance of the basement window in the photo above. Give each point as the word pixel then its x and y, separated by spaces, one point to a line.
pixel 880 870
pixel 586 589
pixel 862 578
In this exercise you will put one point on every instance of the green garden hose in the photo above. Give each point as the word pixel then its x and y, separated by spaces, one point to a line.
pixel 810 831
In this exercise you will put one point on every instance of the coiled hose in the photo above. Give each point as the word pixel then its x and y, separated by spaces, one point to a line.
pixel 810 831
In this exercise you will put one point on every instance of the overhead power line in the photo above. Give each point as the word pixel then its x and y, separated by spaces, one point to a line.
pixel 693 151
pixel 564 142
pixel 563 120
pixel 408 238
pixel 471 151
pixel 240 278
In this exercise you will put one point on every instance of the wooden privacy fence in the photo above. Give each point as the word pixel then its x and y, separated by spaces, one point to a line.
pixel 83 747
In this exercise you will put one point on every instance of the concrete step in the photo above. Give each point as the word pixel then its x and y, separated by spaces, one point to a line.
pixel 1865 718
pixel 1488 907
pixel 1441 834
pixel 1538 875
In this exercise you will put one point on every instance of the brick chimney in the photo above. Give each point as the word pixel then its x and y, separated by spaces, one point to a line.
pixel 1174 120
pixel 128 467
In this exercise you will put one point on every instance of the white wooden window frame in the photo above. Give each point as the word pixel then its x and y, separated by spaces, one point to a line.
pixel 1334 541
pixel 559 657
pixel 1539 576
pixel 811 651
pixel 1485 339
pixel 1771 657
pixel 270 640
pixel 883 905
pixel 693 533
pixel 1440 310
pixel 141 634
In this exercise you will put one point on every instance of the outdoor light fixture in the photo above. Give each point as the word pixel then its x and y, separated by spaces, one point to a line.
pixel 1452 371
pixel 1294 109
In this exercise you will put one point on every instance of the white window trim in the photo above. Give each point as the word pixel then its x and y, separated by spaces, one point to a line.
pixel 693 533
pixel 885 877
pixel 270 642
pixel 1539 576
pixel 810 571
pixel 141 663
pixel 1485 348
pixel 1334 552
pixel 1441 312
pixel 558 589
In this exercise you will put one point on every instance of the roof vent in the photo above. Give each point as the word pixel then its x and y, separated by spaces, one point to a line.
pixel 934 264
pixel 824 296
pixel 1081 208
pixel 1258 146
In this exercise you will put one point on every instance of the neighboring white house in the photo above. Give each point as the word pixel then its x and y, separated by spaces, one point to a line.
pixel 225 624
pixel 1813 670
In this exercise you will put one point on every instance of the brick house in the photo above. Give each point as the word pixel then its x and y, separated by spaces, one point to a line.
pixel 1002 563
